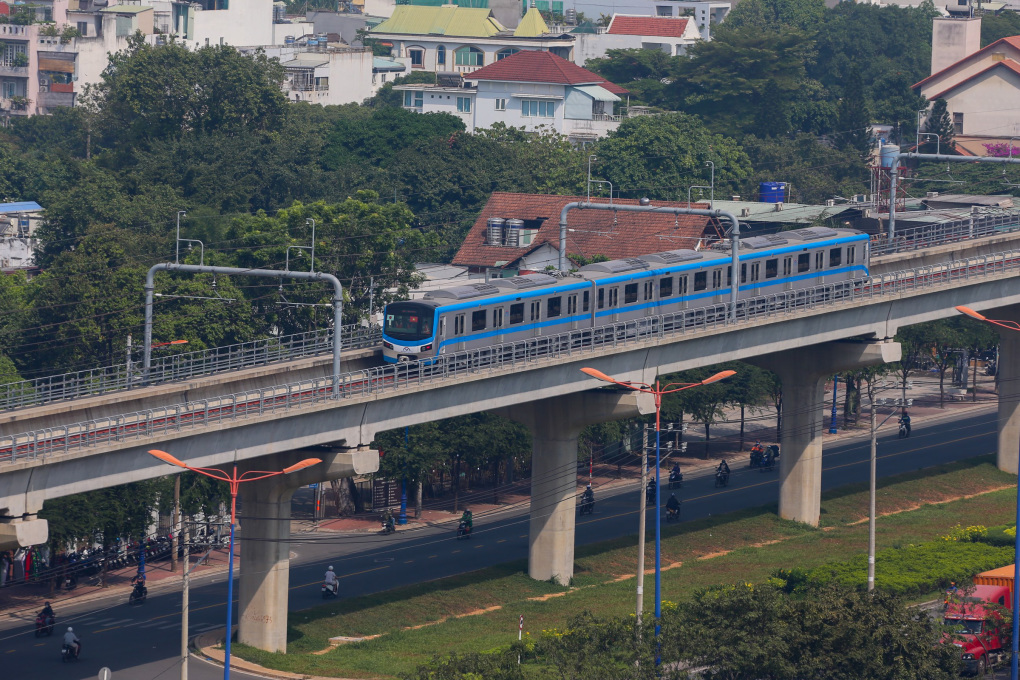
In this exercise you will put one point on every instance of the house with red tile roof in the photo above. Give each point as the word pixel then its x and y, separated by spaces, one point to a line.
pixel 528 239
pixel 981 86
pixel 533 90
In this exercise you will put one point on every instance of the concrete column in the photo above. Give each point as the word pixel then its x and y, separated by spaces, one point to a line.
pixel 803 373
pixel 264 519
pixel 555 424
pixel 22 532
pixel 1008 372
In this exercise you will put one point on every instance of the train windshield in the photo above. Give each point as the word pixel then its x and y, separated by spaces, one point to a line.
pixel 408 321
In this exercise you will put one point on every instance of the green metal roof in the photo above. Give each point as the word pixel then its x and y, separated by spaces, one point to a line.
pixel 599 94
pixel 532 25
pixel 478 4
pixel 384 64
pixel 445 20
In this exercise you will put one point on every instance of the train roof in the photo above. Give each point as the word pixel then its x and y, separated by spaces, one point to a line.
pixel 666 258
pixel 786 238
pixel 493 287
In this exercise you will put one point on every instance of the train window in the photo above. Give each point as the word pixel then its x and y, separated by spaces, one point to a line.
pixel 614 297
pixel 787 266
pixel 458 324
pixel 666 287
pixel 851 252
pixel 771 268
pixel 803 262
pixel 755 271
pixel 629 293
pixel 681 286
pixel 552 307
pixel 835 257
pixel 572 304
pixel 602 303
pixel 649 287
pixel 743 273
pixel 717 278
pixel 497 318
pixel 517 313
pixel 820 259
pixel 478 320
pixel 536 309
pixel 729 275
pixel 700 281
pixel 585 301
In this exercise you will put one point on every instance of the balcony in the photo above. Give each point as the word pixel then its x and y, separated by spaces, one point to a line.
pixel 14 107
pixel 54 99
pixel 14 71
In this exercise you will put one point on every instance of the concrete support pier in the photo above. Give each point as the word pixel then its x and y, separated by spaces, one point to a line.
pixel 555 424
pixel 22 532
pixel 1008 380
pixel 803 373
pixel 264 535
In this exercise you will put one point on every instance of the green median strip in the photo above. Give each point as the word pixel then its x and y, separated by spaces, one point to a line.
pixel 479 611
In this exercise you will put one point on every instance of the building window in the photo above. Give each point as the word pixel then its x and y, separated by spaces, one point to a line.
pixel 469 56
pixel 13 54
pixel 506 52
pixel 663 11
pixel 417 57
pixel 501 105
pixel 958 123
pixel 83 28
pixel 441 55
pixel 464 104
pixel 415 99
pixel 531 108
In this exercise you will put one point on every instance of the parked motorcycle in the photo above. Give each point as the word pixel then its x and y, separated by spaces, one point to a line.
pixel 388 527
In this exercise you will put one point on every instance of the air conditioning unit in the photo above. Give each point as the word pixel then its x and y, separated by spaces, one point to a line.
pixel 932 194
pixel 44 88
pixel 44 80
pixel 745 212
pixel 866 214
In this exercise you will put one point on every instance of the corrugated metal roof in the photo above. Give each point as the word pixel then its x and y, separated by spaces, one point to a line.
pixel 532 25
pixel 305 61
pixel 445 20
pixel 21 206
pixel 599 94
pixel 384 64
pixel 126 9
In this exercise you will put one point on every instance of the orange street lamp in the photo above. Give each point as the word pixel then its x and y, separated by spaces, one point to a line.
pixel 234 481
pixel 657 390
pixel 1010 326
pixel 172 342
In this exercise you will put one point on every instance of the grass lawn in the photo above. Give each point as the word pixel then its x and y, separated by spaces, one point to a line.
pixel 479 611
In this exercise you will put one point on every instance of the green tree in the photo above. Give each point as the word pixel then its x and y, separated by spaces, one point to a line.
pixel 814 171
pixel 940 123
pixel 997 26
pixel 853 119
pixel 660 156
pixel 765 15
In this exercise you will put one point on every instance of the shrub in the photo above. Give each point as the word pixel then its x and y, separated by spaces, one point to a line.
pixel 1003 536
pixel 916 569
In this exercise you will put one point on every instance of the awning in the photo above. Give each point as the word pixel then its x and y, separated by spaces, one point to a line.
pixel 305 62
pixel 529 95
pixel 598 93
pixel 58 65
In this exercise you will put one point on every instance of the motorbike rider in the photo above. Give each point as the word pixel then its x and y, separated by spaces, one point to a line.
pixel 467 520
pixel 330 579
pixel 905 421
pixel 675 473
pixel 673 504
pixel 723 467
pixel 589 495
pixel 71 640
pixel 650 489
pixel 47 612
pixel 387 520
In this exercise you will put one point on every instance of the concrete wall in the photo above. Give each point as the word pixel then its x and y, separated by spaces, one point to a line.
pixel 1000 85
pixel 952 40
pixel 249 22
pixel 486 113
pixel 489 46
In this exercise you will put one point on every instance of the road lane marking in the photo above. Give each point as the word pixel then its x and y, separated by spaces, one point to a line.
pixel 479 546
pixel 409 562
pixel 432 557
pixel 455 552
pixel 105 630
pixel 523 536
pixel 40 644
pixel 169 626
pixel 502 540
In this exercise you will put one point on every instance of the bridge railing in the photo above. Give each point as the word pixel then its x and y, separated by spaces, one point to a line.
pixel 175 367
pixel 177 417
pixel 925 236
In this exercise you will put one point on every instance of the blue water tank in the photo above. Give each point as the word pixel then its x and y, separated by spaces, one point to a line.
pixel 288 40
pixel 772 192
pixel 886 155
pixel 313 42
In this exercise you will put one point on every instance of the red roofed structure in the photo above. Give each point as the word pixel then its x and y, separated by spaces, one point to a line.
pixel 589 233
pixel 532 66
pixel 663 27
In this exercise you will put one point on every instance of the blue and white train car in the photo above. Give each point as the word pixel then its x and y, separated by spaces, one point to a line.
pixel 507 310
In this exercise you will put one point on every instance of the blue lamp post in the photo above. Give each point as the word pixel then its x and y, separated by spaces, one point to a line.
pixel 832 425
pixel 403 487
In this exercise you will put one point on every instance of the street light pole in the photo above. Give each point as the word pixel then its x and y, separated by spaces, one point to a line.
pixel 1015 646
pixel 833 429
pixel 184 611
pixel 234 481
pixel 656 391
pixel 643 505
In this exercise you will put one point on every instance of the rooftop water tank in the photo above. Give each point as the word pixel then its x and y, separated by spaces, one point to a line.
pixel 772 192
pixel 289 40
pixel 513 233
pixel 886 155
pixel 494 231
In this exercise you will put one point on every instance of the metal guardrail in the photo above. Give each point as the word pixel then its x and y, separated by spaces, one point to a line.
pixel 177 417
pixel 177 367
pixel 917 238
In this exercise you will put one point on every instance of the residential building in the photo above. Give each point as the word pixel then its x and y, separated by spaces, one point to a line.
pixel 532 243
pixel 18 223
pixel 456 39
pixel 331 75
pixel 531 90
pixel 671 35
pixel 968 77
pixel 37 71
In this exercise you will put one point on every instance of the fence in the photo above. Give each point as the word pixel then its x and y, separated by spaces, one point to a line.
pixel 928 235
pixel 516 355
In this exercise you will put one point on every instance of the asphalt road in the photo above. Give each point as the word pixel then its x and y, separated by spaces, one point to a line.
pixel 142 643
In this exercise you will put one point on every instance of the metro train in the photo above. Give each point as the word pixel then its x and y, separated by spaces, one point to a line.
pixel 522 307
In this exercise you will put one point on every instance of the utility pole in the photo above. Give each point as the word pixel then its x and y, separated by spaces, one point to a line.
pixel 175 526
pixel 641 528
pixel 129 361
pixel 184 611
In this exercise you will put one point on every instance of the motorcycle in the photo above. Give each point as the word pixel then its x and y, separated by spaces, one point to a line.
pixel 330 590
pixel 757 453
pixel 650 495
pixel 44 625
pixel 672 514
pixel 587 507
pixel 722 478
pixel 138 595
pixel 767 463
pixel 676 480
pixel 387 527
pixel 903 431
pixel 463 530
pixel 69 653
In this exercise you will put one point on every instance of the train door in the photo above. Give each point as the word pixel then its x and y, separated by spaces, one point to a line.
pixel 754 275
pixel 788 272
pixel 820 266
pixel 535 316
pixel 497 325
pixel 458 332
pixel 648 298
pixel 572 310
pixel 851 261
pixel 681 290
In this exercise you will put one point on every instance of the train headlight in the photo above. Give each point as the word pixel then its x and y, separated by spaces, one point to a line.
pixel 425 348
pixel 387 345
